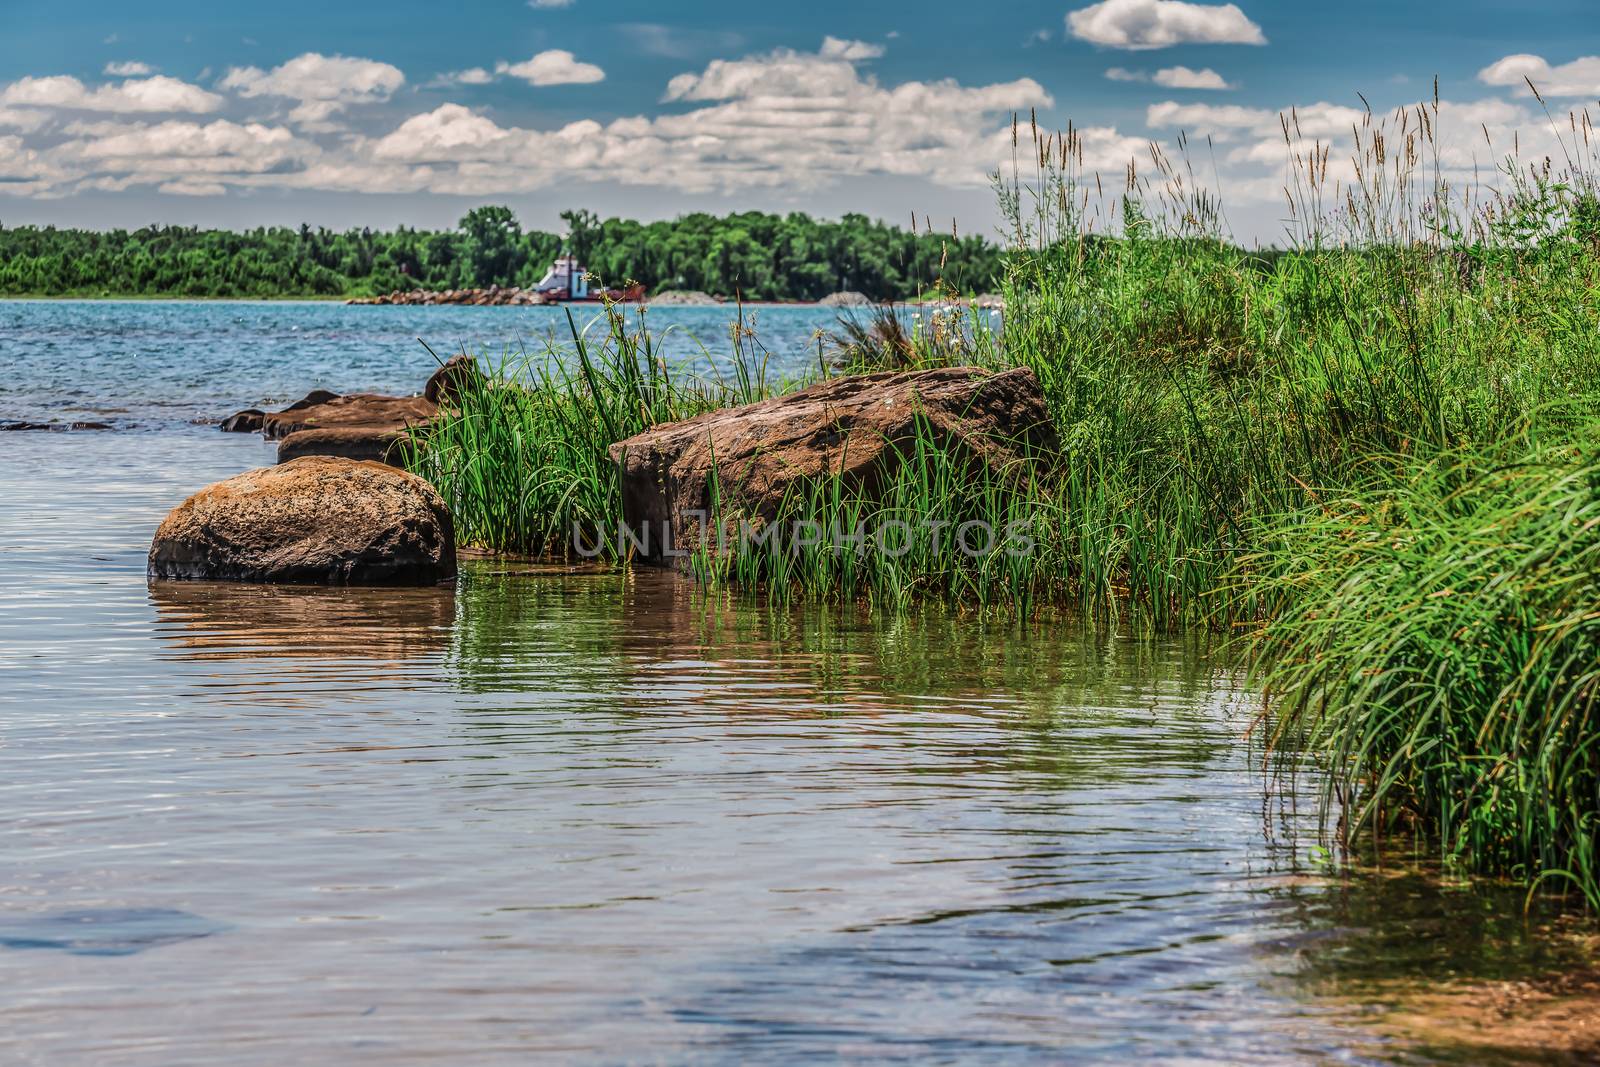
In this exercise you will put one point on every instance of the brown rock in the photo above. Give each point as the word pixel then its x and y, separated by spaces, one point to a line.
pixel 317 521
pixel 459 373
pixel 378 444
pixel 311 399
pixel 365 410
pixel 247 421
pixel 848 427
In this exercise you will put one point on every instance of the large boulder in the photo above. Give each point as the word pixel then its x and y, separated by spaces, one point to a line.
pixel 852 427
pixel 311 521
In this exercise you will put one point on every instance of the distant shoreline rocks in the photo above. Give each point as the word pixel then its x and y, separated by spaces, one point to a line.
pixel 847 299
pixel 494 296
pixel 683 298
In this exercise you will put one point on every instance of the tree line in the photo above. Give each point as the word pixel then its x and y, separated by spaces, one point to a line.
pixel 752 254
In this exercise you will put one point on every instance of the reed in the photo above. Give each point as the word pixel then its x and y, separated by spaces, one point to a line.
pixel 1440 651
pixel 523 457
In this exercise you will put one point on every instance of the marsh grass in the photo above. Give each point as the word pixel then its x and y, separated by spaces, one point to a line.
pixel 1373 454
pixel 523 458
pixel 1440 650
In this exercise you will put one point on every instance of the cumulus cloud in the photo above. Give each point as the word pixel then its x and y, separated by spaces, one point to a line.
pixel 129 69
pixel 26 119
pixel 554 67
pixel 786 119
pixel 322 85
pixel 1172 77
pixel 1184 78
pixel 470 76
pixel 1581 77
pixel 853 51
pixel 1138 25
pixel 157 94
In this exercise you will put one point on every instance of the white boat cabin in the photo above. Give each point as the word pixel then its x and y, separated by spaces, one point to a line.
pixel 566 279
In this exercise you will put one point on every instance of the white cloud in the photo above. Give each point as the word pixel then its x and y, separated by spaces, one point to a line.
pixel 1184 78
pixel 192 187
pixel 1122 74
pixel 155 94
pixel 554 67
pixel 323 85
pixel 853 51
pixel 26 119
pixel 470 76
pixel 1581 77
pixel 786 119
pixel 546 4
pixel 129 69
pixel 1139 25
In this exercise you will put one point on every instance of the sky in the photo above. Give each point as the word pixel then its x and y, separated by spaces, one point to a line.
pixel 365 114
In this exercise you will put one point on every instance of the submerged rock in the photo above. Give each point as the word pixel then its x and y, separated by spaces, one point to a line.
pixel 106 931
pixel 849 427
pixel 23 427
pixel 316 520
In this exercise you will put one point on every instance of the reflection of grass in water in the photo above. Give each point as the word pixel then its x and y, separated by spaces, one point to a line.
pixel 1458 973
pixel 1046 698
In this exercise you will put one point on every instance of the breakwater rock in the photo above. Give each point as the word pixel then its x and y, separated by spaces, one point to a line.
pixel 319 520
pixel 360 426
pixel 494 295
pixel 854 428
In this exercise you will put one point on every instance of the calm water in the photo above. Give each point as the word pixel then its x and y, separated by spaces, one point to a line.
pixel 551 817
pixel 151 364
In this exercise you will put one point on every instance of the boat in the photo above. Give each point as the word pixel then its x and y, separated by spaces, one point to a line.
pixel 568 280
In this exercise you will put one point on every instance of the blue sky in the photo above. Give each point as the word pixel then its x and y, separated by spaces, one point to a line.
pixel 373 114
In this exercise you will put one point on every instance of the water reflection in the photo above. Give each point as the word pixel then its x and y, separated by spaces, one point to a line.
pixel 236 621
pixel 598 818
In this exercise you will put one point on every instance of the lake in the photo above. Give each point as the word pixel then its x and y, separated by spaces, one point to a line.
pixel 555 816
pixel 162 364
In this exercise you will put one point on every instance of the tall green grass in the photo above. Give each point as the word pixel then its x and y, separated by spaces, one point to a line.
pixel 1198 387
pixel 1344 448
pixel 1440 649
pixel 522 457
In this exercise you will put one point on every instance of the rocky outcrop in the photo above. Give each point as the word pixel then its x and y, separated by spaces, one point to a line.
pixel 362 426
pixel 683 298
pixel 492 296
pixel 354 411
pixel 846 299
pixel 251 420
pixel 247 421
pixel 851 427
pixel 16 427
pixel 317 521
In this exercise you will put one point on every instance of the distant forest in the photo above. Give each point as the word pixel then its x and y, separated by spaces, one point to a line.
pixel 756 255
